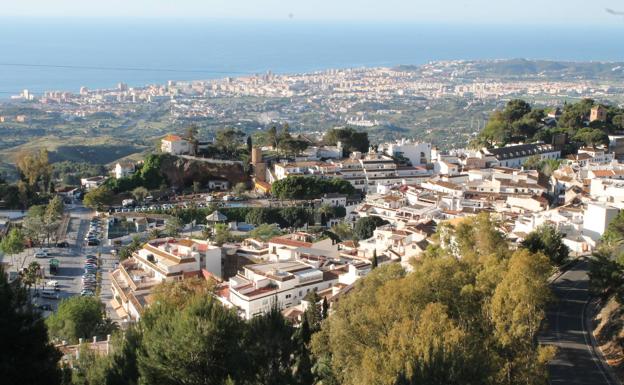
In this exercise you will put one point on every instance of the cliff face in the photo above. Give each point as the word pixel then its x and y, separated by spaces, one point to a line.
pixel 184 171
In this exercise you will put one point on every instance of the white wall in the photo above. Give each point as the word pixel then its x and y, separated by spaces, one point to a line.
pixel 596 219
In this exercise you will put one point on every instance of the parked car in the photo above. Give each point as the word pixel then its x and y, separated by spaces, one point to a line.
pixel 41 254
pixel 50 294
pixel 93 242
pixel 62 244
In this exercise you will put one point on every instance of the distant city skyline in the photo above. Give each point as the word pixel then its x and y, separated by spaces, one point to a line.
pixel 581 12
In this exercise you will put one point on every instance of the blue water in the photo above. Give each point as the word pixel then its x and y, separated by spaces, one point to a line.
pixel 143 52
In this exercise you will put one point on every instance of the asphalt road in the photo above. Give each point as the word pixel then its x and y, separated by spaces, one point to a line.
pixel 566 328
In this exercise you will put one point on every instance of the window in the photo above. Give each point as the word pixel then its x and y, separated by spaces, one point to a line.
pixel 288 296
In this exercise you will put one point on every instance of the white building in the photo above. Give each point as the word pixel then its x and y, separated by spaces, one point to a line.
pixel 608 191
pixel 124 169
pixel 418 153
pixel 160 260
pixel 515 156
pixel 281 284
pixel 445 168
pixel 174 145
pixel 92 182
pixel 596 219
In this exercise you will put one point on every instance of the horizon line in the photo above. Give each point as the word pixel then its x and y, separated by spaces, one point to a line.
pixel 295 20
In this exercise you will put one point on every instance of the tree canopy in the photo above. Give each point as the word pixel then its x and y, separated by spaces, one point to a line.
pixel 350 139
pixel 98 198
pixel 519 121
pixel 35 168
pixel 607 265
pixel 26 356
pixel 364 227
pixel 302 187
pixel 229 139
pixel 202 344
pixel 78 317
pixel 450 321
pixel 547 240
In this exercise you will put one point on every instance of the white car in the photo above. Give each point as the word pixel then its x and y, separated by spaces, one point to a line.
pixel 41 254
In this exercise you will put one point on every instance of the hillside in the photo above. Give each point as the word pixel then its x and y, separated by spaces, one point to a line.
pixel 534 69
pixel 609 332
pixel 96 150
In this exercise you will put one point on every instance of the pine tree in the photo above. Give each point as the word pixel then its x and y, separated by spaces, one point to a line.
pixel 375 262
pixel 302 369
pixel 324 308
pixel 26 356
pixel 249 144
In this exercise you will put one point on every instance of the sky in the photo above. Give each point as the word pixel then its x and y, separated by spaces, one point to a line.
pixel 559 12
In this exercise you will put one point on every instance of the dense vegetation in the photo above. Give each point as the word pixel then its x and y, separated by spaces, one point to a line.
pixel 301 187
pixel 364 227
pixel 189 337
pixel 282 141
pixel 148 175
pixel 607 267
pixel 35 184
pixel 350 139
pixel 548 241
pixel 69 173
pixel 79 317
pixel 452 321
pixel 26 356
pixel 284 217
pixel 519 121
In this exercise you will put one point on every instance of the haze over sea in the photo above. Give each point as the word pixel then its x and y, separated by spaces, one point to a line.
pixel 144 51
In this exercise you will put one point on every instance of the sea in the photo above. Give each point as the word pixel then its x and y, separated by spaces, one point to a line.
pixel 65 54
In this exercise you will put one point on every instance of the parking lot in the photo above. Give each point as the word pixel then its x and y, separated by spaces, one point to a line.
pixel 71 261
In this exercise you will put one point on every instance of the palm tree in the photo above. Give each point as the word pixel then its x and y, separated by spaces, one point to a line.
pixel 191 136
pixel 326 212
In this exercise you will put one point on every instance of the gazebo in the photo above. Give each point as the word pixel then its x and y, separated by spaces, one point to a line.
pixel 216 217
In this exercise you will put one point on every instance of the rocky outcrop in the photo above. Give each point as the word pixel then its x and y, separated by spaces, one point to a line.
pixel 183 171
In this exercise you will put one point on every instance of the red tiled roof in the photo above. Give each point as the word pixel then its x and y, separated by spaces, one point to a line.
pixel 172 138
pixel 289 242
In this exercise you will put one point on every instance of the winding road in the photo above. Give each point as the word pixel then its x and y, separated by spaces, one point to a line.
pixel 577 361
